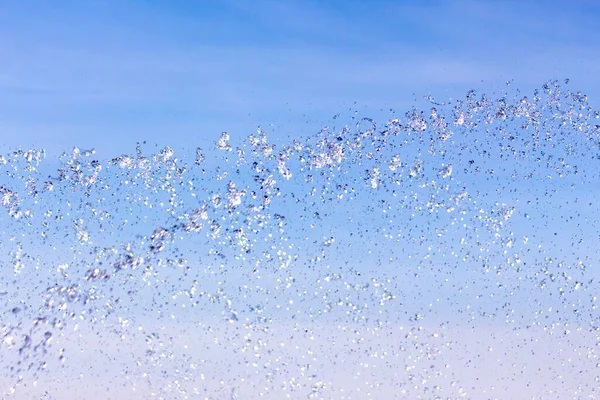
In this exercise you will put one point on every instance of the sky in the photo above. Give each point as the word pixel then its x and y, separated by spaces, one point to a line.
pixel 107 75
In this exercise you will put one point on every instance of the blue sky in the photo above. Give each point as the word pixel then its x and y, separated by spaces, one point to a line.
pixel 108 74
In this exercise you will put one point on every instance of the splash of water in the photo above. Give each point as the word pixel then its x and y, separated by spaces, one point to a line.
pixel 369 261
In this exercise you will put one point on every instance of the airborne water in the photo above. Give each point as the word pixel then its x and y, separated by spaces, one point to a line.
pixel 448 252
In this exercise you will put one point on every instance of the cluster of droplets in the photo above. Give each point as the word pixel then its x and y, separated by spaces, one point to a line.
pixel 287 270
